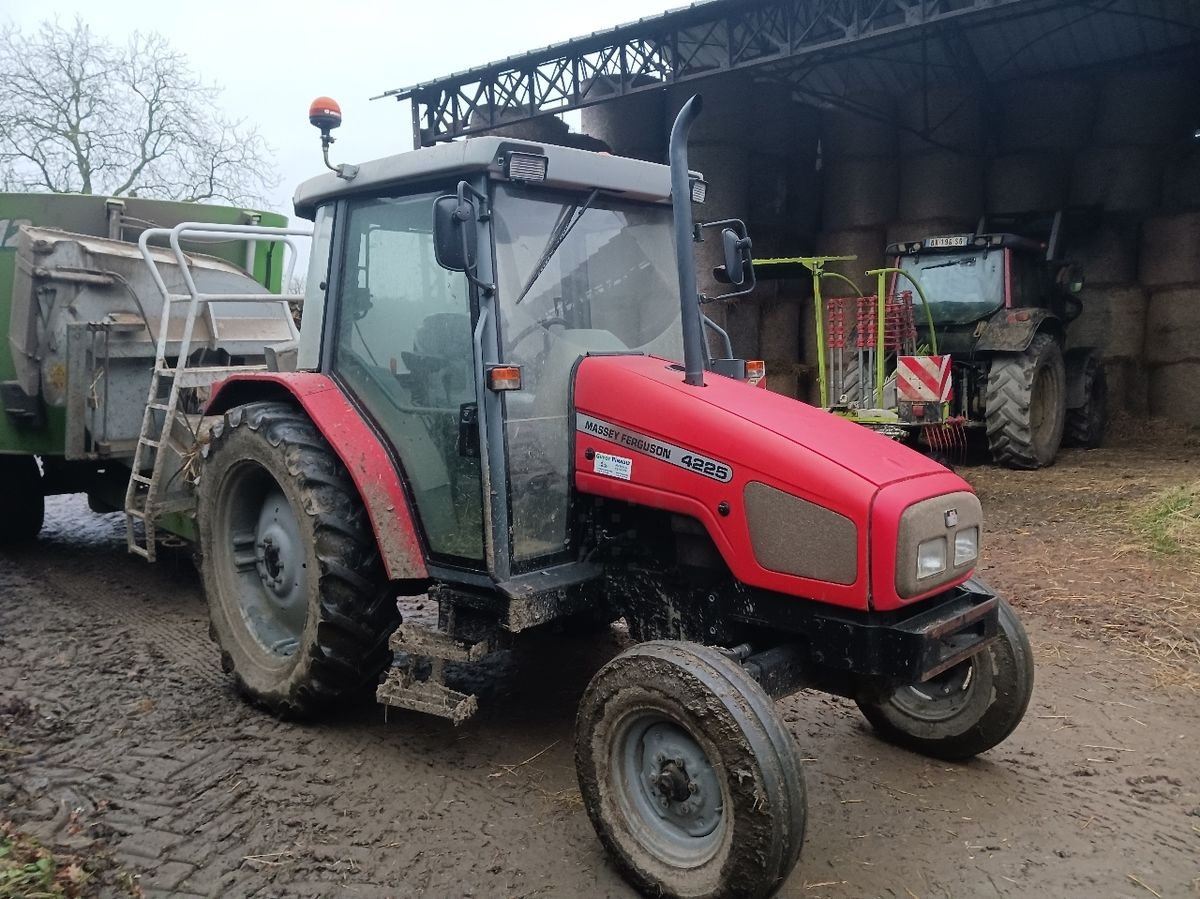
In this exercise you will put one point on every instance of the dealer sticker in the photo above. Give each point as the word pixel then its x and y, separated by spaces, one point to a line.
pixel 614 466
pixel 650 446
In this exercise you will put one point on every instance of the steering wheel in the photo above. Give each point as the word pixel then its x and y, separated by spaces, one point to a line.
pixel 543 324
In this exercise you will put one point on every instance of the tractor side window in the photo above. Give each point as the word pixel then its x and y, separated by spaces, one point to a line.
pixel 404 348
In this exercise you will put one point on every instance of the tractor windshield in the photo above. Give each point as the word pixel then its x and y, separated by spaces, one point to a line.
pixel 961 287
pixel 576 273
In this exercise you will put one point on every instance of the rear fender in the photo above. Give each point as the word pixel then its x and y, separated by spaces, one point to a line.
pixel 365 457
pixel 1012 330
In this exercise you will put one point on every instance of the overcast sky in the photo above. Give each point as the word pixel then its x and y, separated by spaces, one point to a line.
pixel 273 58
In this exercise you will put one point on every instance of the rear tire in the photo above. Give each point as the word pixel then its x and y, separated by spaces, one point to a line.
pixel 729 821
pixel 967 710
pixel 24 503
pixel 295 585
pixel 1025 406
pixel 1085 425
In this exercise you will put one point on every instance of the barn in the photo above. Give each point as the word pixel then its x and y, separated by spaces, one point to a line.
pixel 835 127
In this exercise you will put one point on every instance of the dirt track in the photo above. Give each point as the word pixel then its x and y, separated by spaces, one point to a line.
pixel 119 734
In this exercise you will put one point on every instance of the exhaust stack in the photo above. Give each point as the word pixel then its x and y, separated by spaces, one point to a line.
pixel 681 203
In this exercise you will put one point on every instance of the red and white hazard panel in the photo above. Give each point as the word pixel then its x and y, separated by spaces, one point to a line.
pixel 923 379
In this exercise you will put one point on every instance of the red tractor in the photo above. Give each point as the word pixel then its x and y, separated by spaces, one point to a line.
pixel 503 400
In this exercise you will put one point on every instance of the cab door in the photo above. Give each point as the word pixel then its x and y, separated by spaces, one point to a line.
pixel 402 347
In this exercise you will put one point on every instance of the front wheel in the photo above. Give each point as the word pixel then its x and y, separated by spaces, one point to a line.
pixel 1085 425
pixel 968 709
pixel 293 577
pixel 688 775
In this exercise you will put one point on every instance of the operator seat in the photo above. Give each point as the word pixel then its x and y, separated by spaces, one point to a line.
pixel 441 360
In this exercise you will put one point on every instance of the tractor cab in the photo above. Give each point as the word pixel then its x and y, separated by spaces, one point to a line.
pixel 463 287
pixel 968 278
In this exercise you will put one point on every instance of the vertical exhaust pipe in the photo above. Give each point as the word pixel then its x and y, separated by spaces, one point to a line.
pixel 681 203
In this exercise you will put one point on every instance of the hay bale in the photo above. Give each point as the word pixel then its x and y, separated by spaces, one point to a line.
pixel 865 243
pixel 1144 106
pixel 940 184
pixel 1048 113
pixel 1113 320
pixel 1174 393
pixel 865 126
pixel 780 338
pixel 946 117
pixel 1128 386
pixel 1107 255
pixel 1028 182
pixel 1181 182
pixel 919 230
pixel 1173 327
pixel 1120 179
pixel 858 193
pixel 631 125
pixel 1170 250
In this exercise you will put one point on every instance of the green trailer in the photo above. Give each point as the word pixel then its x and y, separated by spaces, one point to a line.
pixel 81 311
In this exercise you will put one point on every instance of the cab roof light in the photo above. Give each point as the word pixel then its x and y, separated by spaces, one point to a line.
pixel 529 167
pixel 504 377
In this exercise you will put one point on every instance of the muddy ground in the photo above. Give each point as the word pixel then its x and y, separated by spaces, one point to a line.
pixel 120 737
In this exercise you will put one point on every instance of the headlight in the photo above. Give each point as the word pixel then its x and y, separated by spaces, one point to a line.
pixel 931 557
pixel 966 546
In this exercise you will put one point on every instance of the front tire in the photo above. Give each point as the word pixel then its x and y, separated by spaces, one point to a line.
pixel 1025 407
pixel 969 709
pixel 1085 425
pixel 24 502
pixel 689 777
pixel 295 584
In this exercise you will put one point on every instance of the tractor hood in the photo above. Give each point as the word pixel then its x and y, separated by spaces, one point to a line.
pixel 755 468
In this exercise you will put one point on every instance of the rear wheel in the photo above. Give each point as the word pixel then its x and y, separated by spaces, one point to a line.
pixel 688 775
pixel 1025 406
pixel 967 710
pixel 294 581
pixel 1085 425
pixel 24 503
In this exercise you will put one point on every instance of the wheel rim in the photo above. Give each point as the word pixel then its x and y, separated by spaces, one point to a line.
pixel 940 698
pixel 266 554
pixel 667 790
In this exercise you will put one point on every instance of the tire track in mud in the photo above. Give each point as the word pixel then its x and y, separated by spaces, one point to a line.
pixel 206 796
pixel 132 721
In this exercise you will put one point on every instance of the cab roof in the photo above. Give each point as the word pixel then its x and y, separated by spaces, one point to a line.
pixel 974 242
pixel 566 167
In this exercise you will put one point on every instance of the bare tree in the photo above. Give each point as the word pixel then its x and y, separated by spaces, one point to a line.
pixel 79 114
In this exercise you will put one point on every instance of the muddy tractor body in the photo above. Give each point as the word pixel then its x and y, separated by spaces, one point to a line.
pixel 999 305
pixel 502 399
pixel 957 334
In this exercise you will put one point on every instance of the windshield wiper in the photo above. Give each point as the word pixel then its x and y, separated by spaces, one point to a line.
pixel 556 239
pixel 970 260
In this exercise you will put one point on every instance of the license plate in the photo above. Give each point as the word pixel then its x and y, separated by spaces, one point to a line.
pixel 958 240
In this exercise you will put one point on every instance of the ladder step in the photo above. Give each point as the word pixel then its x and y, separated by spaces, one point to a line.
pixel 419 641
pixel 162 407
pixel 139 478
pixel 400 690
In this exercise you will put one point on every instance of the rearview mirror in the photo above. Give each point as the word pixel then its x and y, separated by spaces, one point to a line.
pixel 455 241
pixel 737 256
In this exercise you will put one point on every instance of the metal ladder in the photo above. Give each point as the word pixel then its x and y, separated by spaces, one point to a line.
pixel 145 499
